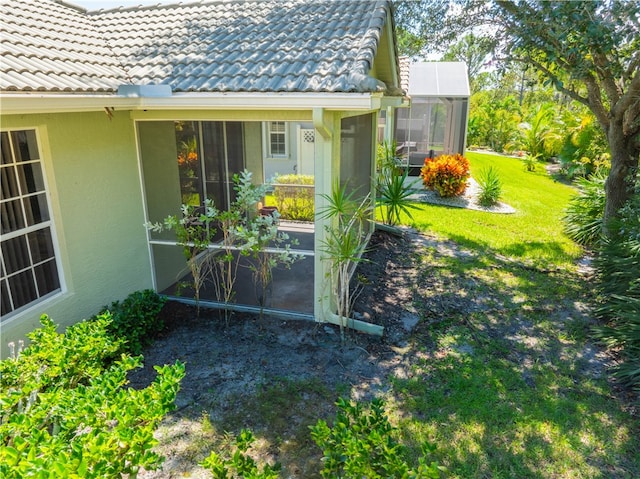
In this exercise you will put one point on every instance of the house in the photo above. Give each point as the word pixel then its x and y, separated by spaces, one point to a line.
pixel 97 107
pixel 436 120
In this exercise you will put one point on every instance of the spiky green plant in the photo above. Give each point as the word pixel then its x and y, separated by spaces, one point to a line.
pixel 490 186
pixel 583 216
pixel 618 267
pixel 394 197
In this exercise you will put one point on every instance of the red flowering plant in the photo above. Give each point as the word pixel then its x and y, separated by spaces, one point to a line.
pixel 446 174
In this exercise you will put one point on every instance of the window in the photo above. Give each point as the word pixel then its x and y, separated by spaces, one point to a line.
pixel 29 270
pixel 277 139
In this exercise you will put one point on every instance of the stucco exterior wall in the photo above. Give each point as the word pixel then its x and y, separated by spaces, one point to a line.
pixel 95 194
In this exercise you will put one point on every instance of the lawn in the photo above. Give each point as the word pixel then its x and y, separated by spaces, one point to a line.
pixel 507 383
pixel 533 233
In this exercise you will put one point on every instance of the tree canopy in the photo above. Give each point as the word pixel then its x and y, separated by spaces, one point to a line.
pixel 589 51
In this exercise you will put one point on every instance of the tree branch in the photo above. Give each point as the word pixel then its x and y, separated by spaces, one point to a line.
pixel 631 96
pixel 601 62
pixel 595 102
pixel 554 78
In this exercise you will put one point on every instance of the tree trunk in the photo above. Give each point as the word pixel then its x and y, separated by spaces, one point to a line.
pixel 624 167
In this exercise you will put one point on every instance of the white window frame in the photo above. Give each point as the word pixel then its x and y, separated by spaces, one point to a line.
pixel 27 229
pixel 269 132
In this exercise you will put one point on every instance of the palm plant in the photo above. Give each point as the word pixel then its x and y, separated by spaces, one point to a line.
pixel 618 268
pixel 539 131
pixel 583 217
pixel 345 243
pixel 394 197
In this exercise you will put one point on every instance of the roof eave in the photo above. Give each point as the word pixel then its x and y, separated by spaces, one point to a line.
pixel 23 103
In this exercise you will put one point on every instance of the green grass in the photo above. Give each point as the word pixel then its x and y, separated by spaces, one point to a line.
pixel 533 233
pixel 505 384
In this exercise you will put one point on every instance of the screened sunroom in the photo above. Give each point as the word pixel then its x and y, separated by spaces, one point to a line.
pixel 185 162
pixel 436 120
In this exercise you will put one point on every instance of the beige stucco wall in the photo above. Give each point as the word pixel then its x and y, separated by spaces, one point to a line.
pixel 91 166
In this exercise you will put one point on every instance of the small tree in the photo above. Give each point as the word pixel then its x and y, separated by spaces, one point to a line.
pixel 267 248
pixel 195 233
pixel 244 234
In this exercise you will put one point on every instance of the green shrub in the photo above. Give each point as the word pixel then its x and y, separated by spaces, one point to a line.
pixel 361 443
pixel 294 197
pixel 65 410
pixel 446 174
pixel 583 216
pixel 239 464
pixel 136 319
pixel 490 187
pixel 618 268
pixel 584 149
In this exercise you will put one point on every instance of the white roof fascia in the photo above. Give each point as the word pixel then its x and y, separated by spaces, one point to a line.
pixel 23 103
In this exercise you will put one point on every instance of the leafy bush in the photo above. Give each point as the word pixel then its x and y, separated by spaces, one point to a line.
pixel 136 320
pixel 583 217
pixel 584 149
pixel 239 464
pixel 490 187
pixel 294 197
pixel 361 443
pixel 64 410
pixel 618 267
pixel 446 174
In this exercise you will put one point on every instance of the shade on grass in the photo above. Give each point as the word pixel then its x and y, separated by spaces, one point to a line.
pixel 534 233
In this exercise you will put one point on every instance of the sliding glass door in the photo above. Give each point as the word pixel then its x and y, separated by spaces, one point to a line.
pixel 209 154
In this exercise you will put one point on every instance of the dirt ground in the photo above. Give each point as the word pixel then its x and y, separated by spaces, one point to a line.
pixel 226 362
pixel 242 354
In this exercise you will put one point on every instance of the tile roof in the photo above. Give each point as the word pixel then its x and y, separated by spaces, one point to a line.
pixel 210 46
